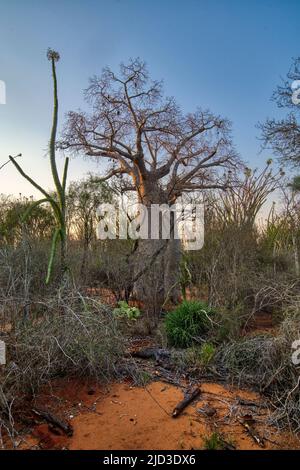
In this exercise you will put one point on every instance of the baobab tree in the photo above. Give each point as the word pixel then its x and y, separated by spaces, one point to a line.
pixel 155 149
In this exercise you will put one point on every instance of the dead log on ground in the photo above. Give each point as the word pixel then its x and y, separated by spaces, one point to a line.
pixel 257 439
pixel 185 402
pixel 151 353
pixel 55 421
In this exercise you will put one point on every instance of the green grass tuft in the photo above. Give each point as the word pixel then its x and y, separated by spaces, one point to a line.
pixel 189 321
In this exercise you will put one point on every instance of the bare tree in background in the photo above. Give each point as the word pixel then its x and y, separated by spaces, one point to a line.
pixel 145 139
pixel 283 135
pixel 83 199
pixel 241 203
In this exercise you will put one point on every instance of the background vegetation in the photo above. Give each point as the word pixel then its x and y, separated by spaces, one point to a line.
pixel 246 271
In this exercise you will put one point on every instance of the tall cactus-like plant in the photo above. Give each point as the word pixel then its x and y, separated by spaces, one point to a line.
pixel 58 200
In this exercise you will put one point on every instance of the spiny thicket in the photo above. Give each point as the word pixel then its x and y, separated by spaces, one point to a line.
pixel 246 268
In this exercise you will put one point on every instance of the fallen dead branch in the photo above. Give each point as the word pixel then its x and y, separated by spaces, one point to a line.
pixel 185 402
pixel 55 421
pixel 151 353
pixel 255 436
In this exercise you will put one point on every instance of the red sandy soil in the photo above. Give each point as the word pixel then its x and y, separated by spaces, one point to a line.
pixel 121 416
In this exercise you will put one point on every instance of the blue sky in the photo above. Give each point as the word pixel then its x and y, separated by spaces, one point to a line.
pixel 227 55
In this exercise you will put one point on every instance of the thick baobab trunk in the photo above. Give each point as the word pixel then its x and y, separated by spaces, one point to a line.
pixel 149 274
pixel 157 273
pixel 157 263
pixel 172 271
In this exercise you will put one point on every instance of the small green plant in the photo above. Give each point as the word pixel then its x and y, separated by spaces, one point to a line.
pixel 125 311
pixel 207 352
pixel 195 357
pixel 213 442
pixel 143 378
pixel 187 322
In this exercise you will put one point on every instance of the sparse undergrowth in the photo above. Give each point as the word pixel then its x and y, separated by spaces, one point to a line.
pixel 264 362
pixel 75 336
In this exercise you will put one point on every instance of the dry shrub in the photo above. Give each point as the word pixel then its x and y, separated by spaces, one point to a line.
pixel 265 362
pixel 74 336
